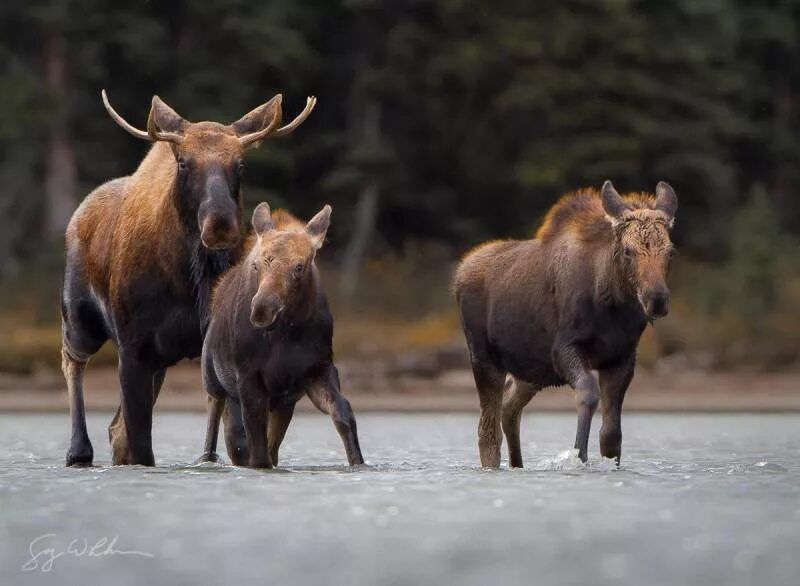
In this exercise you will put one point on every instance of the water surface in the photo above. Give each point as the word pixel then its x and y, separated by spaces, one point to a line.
pixel 700 499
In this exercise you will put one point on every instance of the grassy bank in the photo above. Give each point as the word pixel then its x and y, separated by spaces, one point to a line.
pixel 723 316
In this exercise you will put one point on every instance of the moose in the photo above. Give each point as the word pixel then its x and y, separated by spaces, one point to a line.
pixel 269 343
pixel 547 311
pixel 142 253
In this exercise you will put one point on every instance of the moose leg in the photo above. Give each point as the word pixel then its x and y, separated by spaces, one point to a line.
pixel 587 394
pixel 254 415
pixel 117 434
pixel 327 396
pixel 215 408
pixel 277 424
pixel 489 381
pixel 136 379
pixel 235 436
pixel 613 384
pixel 80 451
pixel 516 396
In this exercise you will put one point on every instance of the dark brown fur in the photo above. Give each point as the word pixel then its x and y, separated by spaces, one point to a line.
pixel 577 297
pixel 270 343
pixel 142 254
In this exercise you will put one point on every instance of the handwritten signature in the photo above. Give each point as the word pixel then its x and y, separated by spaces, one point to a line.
pixel 44 551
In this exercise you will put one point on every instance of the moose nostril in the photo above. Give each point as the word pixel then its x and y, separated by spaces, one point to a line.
pixel 220 233
pixel 658 304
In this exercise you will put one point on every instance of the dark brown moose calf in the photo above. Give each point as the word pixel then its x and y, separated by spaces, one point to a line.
pixel 576 298
pixel 142 254
pixel 270 342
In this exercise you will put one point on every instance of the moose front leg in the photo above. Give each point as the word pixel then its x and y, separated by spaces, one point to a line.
pixel 117 435
pixel 613 384
pixel 254 415
pixel 575 370
pixel 136 380
pixel 277 423
pixel 235 436
pixel 327 396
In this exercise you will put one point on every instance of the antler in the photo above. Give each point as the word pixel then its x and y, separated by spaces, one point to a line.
pixel 311 101
pixel 153 133
pixel 121 121
pixel 248 139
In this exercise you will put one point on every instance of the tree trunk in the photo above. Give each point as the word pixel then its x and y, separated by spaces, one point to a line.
pixel 783 181
pixel 60 173
pixel 366 213
pixel 366 210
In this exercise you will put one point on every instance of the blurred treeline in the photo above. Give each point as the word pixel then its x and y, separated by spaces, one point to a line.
pixel 440 123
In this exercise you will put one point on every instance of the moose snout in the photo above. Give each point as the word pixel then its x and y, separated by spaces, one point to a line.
pixel 656 302
pixel 265 313
pixel 220 233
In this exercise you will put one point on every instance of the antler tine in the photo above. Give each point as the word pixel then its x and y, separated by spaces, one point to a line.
pixel 311 101
pixel 121 121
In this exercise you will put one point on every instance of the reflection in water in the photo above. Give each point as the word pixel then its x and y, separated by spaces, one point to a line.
pixel 698 499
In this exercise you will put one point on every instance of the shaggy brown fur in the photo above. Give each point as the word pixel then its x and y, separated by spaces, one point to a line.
pixel 581 213
pixel 548 310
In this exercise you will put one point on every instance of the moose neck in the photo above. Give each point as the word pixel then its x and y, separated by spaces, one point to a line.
pixel 611 281
pixel 306 305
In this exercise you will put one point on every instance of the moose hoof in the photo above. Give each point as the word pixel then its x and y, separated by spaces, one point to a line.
pixel 81 456
pixel 208 457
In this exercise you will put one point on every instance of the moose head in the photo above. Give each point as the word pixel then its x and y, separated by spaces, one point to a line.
pixel 209 161
pixel 643 249
pixel 282 259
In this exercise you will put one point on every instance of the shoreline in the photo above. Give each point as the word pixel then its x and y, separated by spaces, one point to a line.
pixel 451 391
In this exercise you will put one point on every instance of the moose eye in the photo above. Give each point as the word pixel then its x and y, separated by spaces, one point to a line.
pixel 628 252
pixel 298 270
pixel 182 164
pixel 240 166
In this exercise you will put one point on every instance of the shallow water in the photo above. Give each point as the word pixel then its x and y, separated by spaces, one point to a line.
pixel 700 499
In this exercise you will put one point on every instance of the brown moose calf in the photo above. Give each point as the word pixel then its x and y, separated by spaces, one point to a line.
pixel 270 342
pixel 577 297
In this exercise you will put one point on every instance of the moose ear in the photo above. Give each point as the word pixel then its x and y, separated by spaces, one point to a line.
pixel 262 219
pixel 666 200
pixel 317 226
pixel 613 204
pixel 164 119
pixel 259 118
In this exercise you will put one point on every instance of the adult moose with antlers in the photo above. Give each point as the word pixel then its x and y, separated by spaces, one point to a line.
pixel 142 254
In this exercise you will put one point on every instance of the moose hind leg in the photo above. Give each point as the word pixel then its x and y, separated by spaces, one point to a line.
pixel 517 394
pixel 80 451
pixel 327 396
pixel 489 381
pixel 215 408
